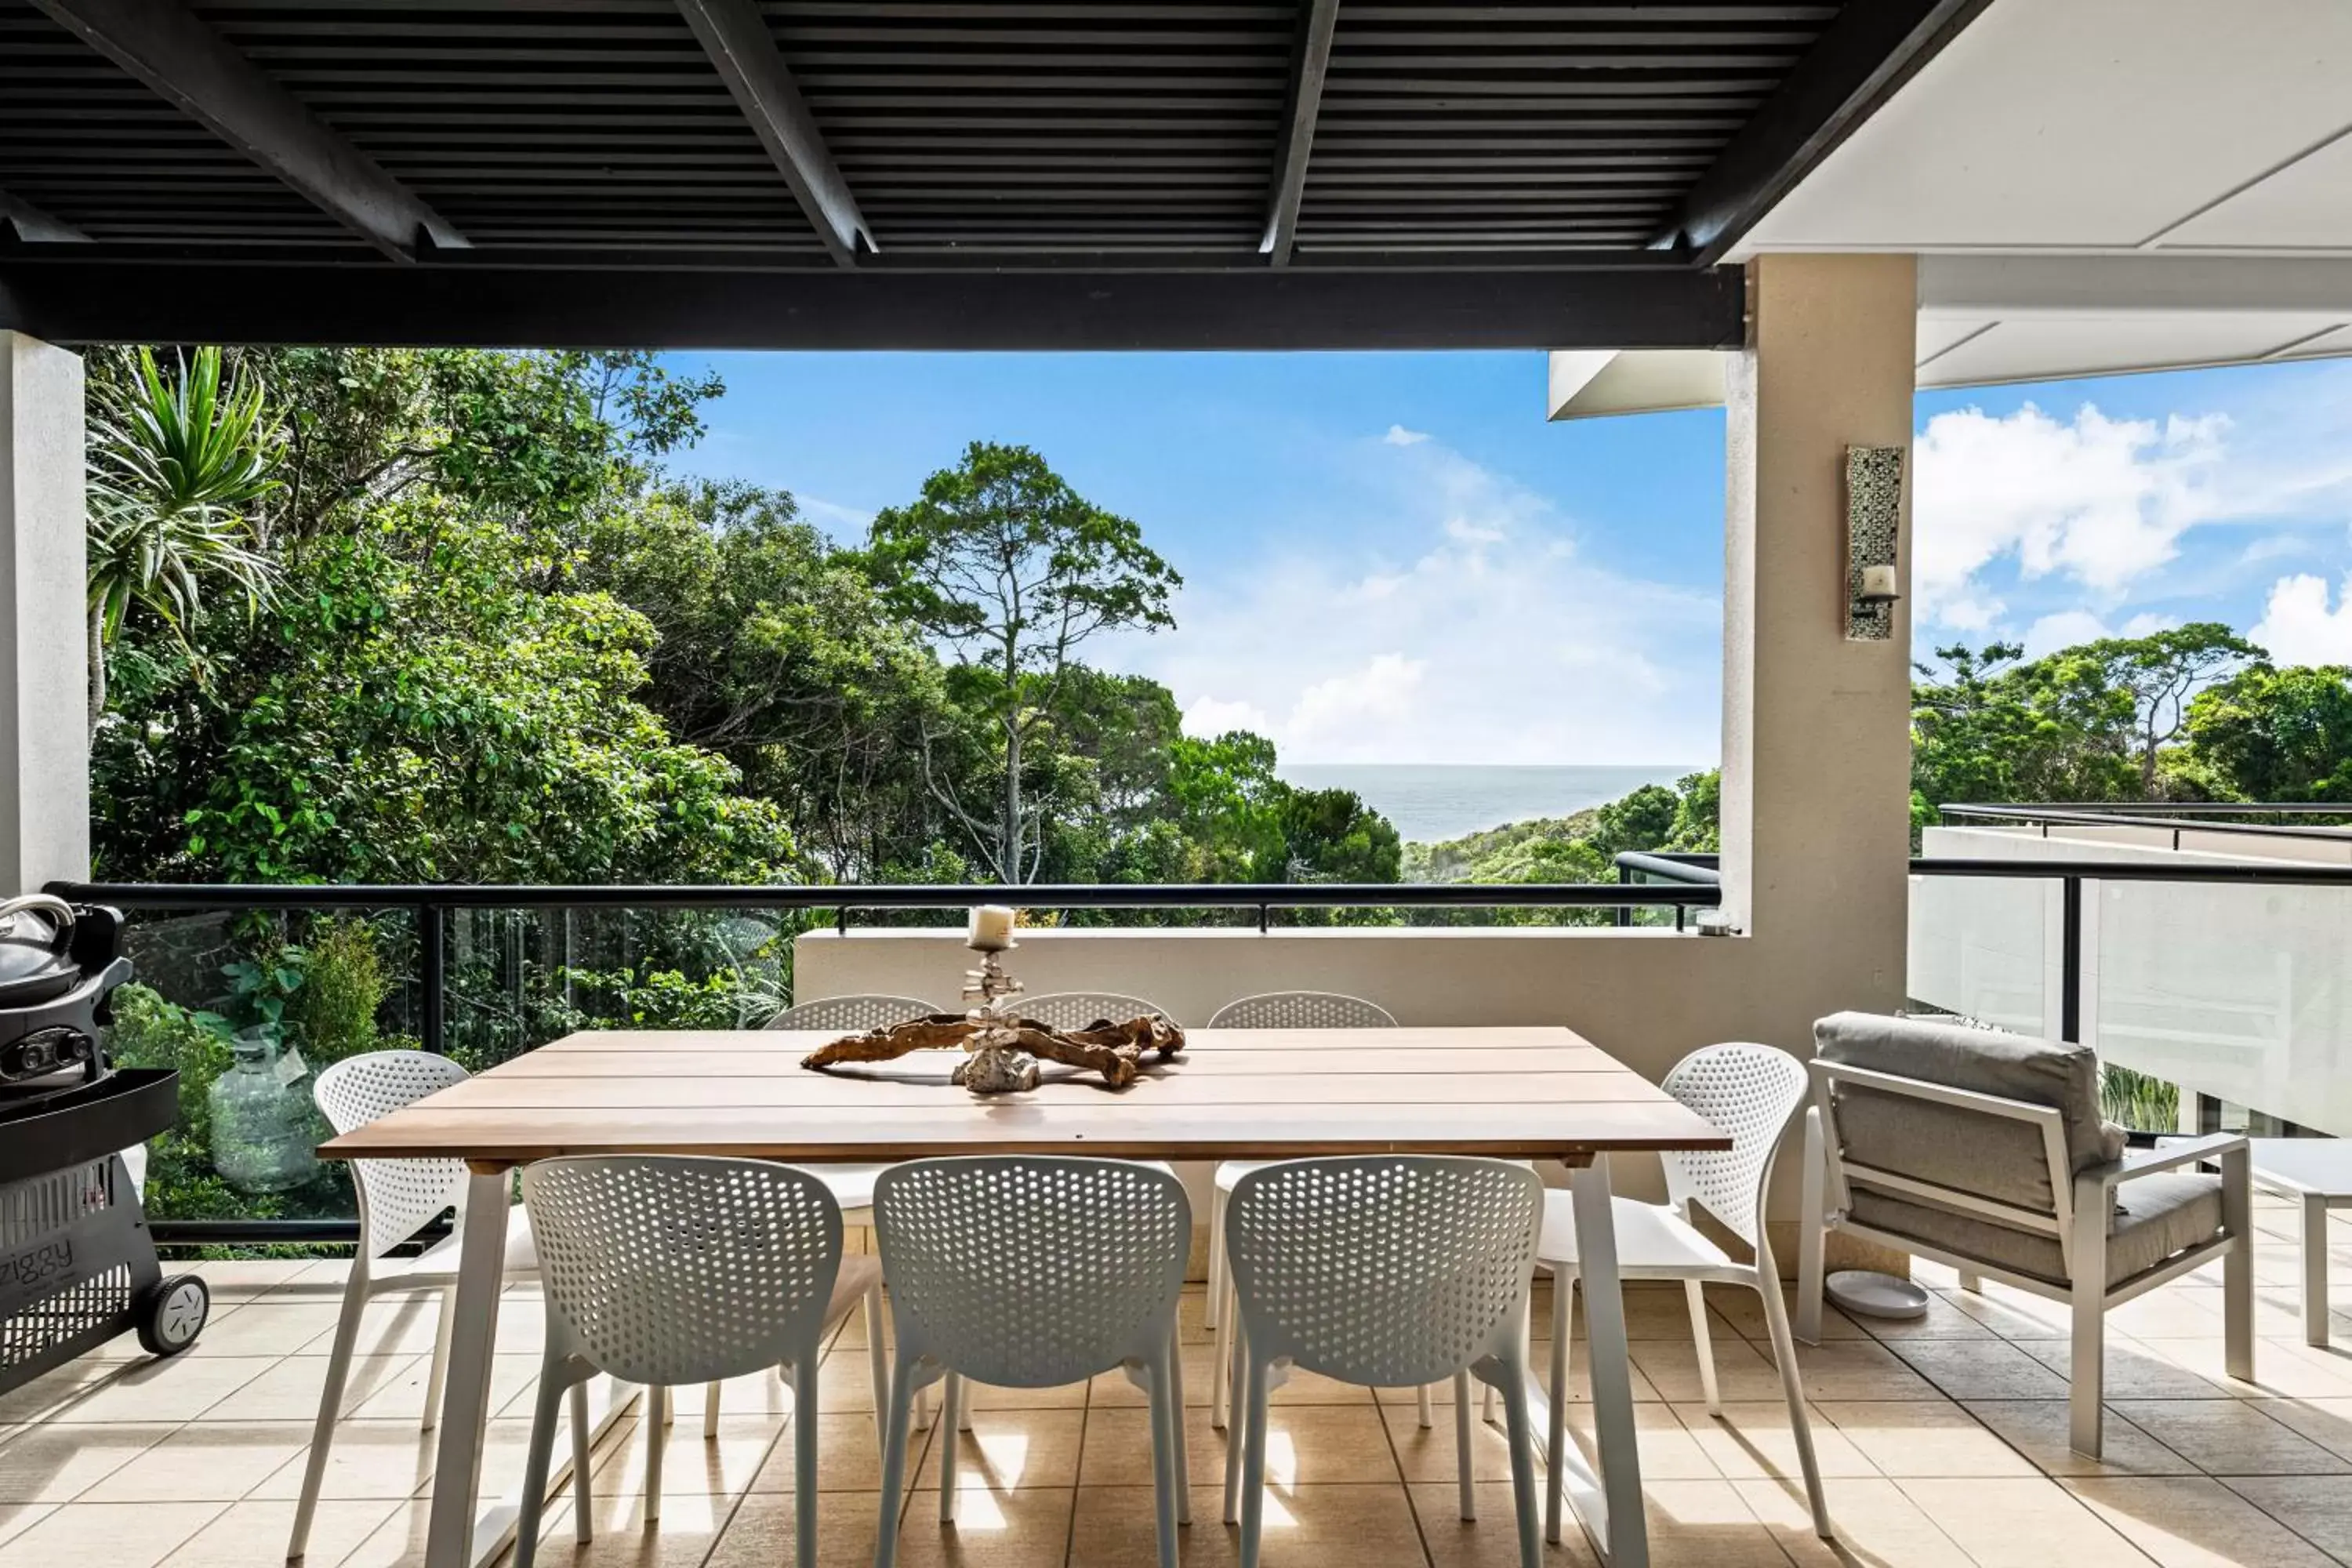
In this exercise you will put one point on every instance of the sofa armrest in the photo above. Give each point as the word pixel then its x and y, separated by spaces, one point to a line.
pixel 2217 1146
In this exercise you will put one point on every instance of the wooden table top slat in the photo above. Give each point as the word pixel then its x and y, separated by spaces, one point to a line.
pixel 1233 1094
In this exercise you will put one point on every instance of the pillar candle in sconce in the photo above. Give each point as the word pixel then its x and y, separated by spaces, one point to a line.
pixel 1878 586
pixel 1874 526
pixel 990 929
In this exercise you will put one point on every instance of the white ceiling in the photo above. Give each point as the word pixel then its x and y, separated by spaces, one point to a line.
pixel 2101 124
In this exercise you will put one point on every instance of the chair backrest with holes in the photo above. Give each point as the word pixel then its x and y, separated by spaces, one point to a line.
pixel 851 1013
pixel 1032 1270
pixel 1750 1091
pixel 1076 1009
pixel 1302 1010
pixel 1390 1270
pixel 672 1268
pixel 396 1197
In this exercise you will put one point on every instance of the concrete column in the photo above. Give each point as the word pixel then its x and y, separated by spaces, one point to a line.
pixel 44 656
pixel 1816 728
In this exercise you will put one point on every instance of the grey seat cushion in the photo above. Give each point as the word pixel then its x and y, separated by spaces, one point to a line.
pixel 1970 1151
pixel 2156 1217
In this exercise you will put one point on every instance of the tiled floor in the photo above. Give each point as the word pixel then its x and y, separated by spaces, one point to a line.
pixel 1943 1442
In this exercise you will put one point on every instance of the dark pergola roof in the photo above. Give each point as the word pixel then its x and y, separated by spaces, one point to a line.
pixel 916 173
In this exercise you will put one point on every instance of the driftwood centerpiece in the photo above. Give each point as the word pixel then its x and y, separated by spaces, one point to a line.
pixel 1005 1051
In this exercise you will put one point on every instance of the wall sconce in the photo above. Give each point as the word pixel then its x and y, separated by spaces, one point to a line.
pixel 1874 520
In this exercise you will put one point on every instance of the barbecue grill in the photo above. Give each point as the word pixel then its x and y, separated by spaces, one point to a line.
pixel 77 1264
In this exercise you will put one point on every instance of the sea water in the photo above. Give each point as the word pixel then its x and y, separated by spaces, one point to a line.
pixel 1432 802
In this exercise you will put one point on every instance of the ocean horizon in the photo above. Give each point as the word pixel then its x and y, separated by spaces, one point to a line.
pixel 1433 802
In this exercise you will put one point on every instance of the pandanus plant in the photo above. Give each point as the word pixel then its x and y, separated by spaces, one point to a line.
pixel 175 466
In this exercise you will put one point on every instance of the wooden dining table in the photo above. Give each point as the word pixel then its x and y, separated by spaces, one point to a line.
pixel 1533 1092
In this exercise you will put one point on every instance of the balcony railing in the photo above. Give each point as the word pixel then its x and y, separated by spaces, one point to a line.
pixel 485 972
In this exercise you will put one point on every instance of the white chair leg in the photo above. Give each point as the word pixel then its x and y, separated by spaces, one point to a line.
pixel 877 1365
pixel 436 1375
pixel 1563 1296
pixel 331 1405
pixel 2314 1271
pixel 1221 1397
pixel 1813 1231
pixel 710 1412
pixel 1166 1443
pixel 657 1438
pixel 546 1410
pixel 1253 1408
pixel 1236 1425
pixel 1695 1294
pixel 950 1437
pixel 804 1435
pixel 583 1510
pixel 1425 1408
pixel 1792 1388
pixel 1486 1406
pixel 1213 1305
pixel 1971 1283
pixel 1463 1482
pixel 1176 1419
pixel 2238 1268
pixel 2087 1368
pixel 894 1464
pixel 1523 1460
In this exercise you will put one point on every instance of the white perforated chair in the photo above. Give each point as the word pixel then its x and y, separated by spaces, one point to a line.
pixel 664 1269
pixel 1033 1272
pixel 1271 1010
pixel 397 1198
pixel 850 1014
pixel 1389 1270
pixel 1076 1009
pixel 1750 1092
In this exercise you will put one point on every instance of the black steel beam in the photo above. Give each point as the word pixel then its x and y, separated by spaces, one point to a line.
pixel 1309 66
pixel 1860 59
pixel 480 305
pixel 735 36
pixel 31 225
pixel 173 52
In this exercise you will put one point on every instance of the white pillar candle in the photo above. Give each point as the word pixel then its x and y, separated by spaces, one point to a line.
pixel 1879 584
pixel 990 929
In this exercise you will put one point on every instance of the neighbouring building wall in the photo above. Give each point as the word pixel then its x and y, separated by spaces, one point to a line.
pixel 1816 772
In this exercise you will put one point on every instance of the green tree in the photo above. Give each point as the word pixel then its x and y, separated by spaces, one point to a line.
pixel 176 468
pixel 2272 735
pixel 1002 562
pixel 2160 673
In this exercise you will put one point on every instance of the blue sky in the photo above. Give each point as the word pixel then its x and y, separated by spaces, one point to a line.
pixel 1395 558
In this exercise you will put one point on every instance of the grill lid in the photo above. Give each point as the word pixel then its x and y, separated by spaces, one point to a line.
pixel 36 936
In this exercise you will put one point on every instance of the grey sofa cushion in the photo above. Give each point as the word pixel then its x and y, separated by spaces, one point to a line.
pixel 1972 1152
pixel 2156 1217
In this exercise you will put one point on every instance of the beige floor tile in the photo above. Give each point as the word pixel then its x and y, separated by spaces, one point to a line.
pixel 207 1462
pixel 1744 1311
pixel 720 1467
pixel 1856 1369
pixel 760 1534
pixel 2022 1524
pixel 2038 1428
pixel 1117 1448
pixel 1741 1371
pixel 2008 1312
pixel 2228 1437
pixel 2284 1368
pixel 16 1518
pixel 368 1461
pixel 2186 1522
pixel 2131 1372
pixel 1670 1450
pixel 107 1535
pixel 2317 1508
pixel 1060 1396
pixel 399 1394
pixel 265 1328
pixel 390 1325
pixel 1429 1453
pixel 255 1533
pixel 1942 1320
pixel 848 1456
pixel 284 1390
pixel 1923 1437
pixel 2179 1313
pixel 2326 1422
pixel 1752 1441
pixel 1873 1521
pixel 52 1395
pixel 683 1536
pixel 57 1463
pixel 1579 1381
pixel 1981 1369
pixel 247 1279
pixel 1199 1382
pixel 992 1530
pixel 1492 1540
pixel 1114 1528
pixel 1303 1526
pixel 1011 1449
pixel 1706 1524
pixel 182 1388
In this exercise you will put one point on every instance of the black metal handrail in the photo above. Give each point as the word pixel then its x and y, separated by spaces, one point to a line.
pixel 2167 820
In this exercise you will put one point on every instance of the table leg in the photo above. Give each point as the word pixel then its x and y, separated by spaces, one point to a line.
pixel 466 1405
pixel 1624 1528
pixel 2314 1269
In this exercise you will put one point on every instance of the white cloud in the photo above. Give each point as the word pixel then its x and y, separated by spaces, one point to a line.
pixel 2063 629
pixel 2298 626
pixel 1492 640
pixel 846 522
pixel 2101 500
pixel 1399 435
